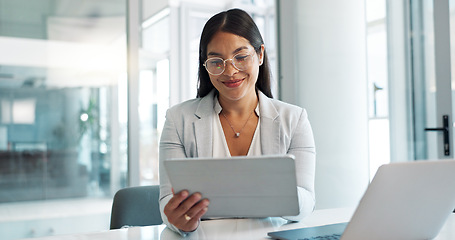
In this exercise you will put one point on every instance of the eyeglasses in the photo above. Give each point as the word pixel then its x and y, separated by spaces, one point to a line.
pixel 217 65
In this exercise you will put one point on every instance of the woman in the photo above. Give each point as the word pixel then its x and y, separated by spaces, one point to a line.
pixel 234 114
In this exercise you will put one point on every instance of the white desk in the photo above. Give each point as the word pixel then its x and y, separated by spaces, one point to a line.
pixel 234 228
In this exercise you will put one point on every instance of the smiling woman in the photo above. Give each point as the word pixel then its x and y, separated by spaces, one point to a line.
pixel 234 83
pixel 234 96
pixel 241 35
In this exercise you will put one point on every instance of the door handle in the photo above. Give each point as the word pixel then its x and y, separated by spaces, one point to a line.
pixel 445 130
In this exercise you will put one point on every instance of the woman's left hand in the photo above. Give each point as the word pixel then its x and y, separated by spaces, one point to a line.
pixel 185 211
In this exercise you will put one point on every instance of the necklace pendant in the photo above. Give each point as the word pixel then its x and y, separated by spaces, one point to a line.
pixel 237 134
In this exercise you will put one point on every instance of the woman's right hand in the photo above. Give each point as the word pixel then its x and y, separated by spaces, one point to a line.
pixel 185 211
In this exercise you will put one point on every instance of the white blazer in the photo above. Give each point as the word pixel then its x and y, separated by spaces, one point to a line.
pixel 285 129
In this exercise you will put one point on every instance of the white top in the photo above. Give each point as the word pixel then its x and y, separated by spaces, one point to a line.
pixel 220 147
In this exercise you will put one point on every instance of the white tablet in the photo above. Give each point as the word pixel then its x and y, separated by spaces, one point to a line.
pixel 246 186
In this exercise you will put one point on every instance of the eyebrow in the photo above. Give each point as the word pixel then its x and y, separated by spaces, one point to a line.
pixel 234 52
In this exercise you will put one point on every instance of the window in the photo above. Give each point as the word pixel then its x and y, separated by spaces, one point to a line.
pixel 154 81
pixel 377 72
pixel 62 115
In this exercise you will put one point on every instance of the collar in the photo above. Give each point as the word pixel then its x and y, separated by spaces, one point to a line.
pixel 217 107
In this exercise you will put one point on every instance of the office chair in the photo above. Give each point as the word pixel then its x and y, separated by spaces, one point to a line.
pixel 136 206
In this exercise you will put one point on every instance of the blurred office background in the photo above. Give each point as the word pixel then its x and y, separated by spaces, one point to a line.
pixel 84 86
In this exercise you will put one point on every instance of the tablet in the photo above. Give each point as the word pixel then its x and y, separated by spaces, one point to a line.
pixel 245 186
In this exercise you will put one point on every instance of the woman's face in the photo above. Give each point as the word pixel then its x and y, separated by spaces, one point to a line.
pixel 234 84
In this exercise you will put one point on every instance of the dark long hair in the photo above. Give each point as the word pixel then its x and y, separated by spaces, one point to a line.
pixel 240 23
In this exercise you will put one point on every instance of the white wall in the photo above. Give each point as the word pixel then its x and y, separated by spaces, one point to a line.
pixel 323 69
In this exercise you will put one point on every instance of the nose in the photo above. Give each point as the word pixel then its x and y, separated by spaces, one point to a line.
pixel 229 68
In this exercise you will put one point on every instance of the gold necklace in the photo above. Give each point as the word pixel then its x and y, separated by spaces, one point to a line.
pixel 237 134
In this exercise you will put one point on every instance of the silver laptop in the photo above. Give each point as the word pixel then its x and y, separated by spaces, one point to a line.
pixel 409 200
pixel 247 186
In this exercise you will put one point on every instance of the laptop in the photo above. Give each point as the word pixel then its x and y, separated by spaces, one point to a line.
pixel 410 200
pixel 243 186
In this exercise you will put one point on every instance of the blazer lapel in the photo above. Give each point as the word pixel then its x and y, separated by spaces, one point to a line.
pixel 203 126
pixel 270 126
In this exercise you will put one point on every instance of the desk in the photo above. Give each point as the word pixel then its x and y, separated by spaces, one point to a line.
pixel 234 228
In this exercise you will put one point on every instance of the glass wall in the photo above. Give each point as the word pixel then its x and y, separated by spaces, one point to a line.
pixel 408 56
pixel 408 74
pixel 63 138
pixel 153 91
pixel 432 22
pixel 377 75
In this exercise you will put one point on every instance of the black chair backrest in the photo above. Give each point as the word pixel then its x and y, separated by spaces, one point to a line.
pixel 136 206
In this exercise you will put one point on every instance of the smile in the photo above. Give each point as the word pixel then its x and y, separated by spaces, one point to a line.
pixel 233 83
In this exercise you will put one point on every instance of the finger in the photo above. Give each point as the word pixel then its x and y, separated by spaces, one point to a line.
pixel 201 212
pixel 189 225
pixel 190 220
pixel 188 203
pixel 193 223
pixel 193 211
pixel 177 199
